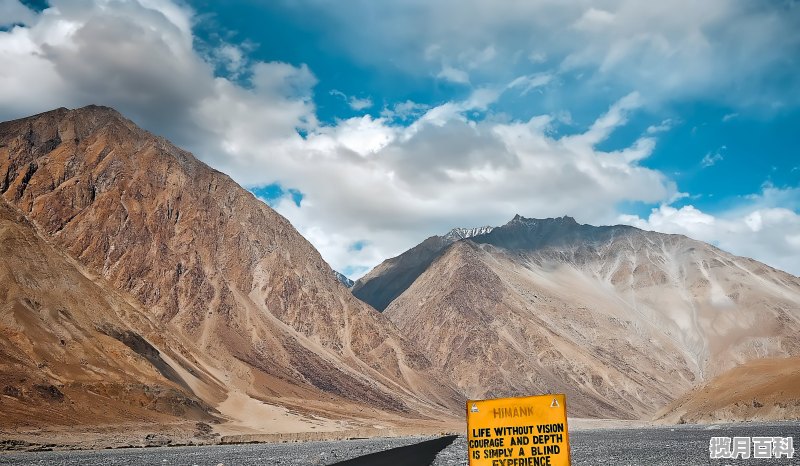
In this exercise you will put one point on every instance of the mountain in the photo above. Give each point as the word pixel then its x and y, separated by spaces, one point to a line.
pixel 73 350
pixel 620 319
pixel 343 279
pixel 463 233
pixel 393 276
pixel 759 390
pixel 270 325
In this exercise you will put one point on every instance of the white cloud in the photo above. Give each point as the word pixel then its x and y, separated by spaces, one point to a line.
pixel 139 59
pixel 757 228
pixel 537 57
pixel 711 158
pixel 530 82
pixel 355 103
pixel 231 57
pixel 361 135
pixel 404 110
pixel 665 125
pixel 360 104
pixel 476 58
pixel 729 116
pixel 594 19
pixel 446 170
pixel 616 116
pixel 363 178
pixel 455 75
pixel 665 50
pixel 14 12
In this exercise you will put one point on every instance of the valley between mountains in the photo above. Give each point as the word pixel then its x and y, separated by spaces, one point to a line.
pixel 145 293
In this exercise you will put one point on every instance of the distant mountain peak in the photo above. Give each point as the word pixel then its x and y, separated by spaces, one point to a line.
pixel 462 233
pixel 565 220
pixel 379 291
pixel 88 110
pixel 343 279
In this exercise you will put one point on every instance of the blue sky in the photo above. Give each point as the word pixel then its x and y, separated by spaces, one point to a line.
pixel 372 125
pixel 756 143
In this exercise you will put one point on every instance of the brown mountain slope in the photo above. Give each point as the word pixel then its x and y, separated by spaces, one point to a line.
pixel 72 350
pixel 393 276
pixel 622 320
pixel 764 389
pixel 202 254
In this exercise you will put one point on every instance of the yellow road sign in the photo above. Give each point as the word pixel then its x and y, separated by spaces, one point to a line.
pixel 526 431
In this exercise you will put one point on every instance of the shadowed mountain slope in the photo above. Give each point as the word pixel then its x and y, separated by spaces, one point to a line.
pixel 391 278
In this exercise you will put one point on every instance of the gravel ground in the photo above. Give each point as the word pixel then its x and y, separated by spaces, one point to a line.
pixel 284 454
pixel 453 455
pixel 670 446
pixel 654 446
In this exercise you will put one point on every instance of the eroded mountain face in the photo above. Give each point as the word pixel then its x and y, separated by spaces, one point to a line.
pixel 391 278
pixel 75 351
pixel 621 319
pixel 266 314
pixel 759 390
pixel 135 272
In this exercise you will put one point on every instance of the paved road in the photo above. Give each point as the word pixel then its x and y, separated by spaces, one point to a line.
pixel 423 453
pixel 283 454
pixel 664 446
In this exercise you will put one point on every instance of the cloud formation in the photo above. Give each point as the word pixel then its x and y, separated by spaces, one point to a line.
pixel 354 102
pixel 765 227
pixel 715 49
pixel 393 185
pixel 14 12
pixel 382 182
pixel 712 158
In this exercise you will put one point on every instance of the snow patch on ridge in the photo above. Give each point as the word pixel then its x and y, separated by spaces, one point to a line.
pixel 463 233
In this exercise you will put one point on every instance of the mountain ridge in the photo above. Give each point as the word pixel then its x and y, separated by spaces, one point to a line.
pixel 378 290
pixel 205 256
pixel 462 233
pixel 621 319
pixel 650 315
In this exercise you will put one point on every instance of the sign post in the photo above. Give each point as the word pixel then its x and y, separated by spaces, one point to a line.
pixel 526 431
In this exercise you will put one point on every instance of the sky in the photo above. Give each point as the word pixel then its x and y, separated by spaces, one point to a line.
pixel 373 125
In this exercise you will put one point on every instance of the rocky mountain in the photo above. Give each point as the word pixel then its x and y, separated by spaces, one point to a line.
pixel 620 319
pixel 758 390
pixel 269 323
pixel 75 351
pixel 393 276
pixel 463 233
pixel 343 279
